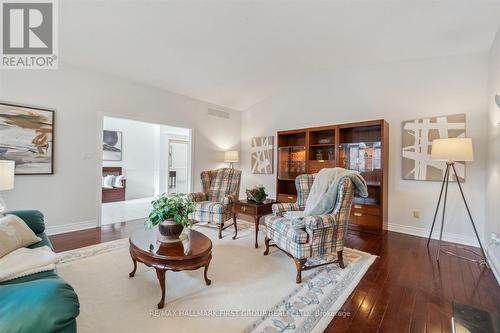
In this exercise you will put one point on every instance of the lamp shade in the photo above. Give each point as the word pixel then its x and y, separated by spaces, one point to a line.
pixel 452 150
pixel 231 156
pixel 6 175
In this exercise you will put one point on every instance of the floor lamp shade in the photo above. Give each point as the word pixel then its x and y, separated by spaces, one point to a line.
pixel 6 175
pixel 452 150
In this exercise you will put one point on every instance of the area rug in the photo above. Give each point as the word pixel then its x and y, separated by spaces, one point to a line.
pixel 250 292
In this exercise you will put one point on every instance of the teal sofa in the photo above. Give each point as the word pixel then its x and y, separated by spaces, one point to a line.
pixel 41 302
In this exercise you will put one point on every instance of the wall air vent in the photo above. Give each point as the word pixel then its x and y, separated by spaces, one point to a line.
pixel 218 113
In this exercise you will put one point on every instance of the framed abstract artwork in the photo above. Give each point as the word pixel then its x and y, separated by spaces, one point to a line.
pixel 111 146
pixel 417 140
pixel 262 154
pixel 27 137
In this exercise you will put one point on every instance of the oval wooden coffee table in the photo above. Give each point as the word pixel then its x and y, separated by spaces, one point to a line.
pixel 193 251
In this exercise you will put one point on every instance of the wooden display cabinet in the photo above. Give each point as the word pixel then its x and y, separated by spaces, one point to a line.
pixel 361 146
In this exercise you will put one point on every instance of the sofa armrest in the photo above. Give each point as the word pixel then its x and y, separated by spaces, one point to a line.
pixel 319 221
pixel 280 208
pixel 198 196
pixel 33 218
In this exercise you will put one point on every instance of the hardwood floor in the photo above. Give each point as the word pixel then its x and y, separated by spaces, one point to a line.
pixel 405 290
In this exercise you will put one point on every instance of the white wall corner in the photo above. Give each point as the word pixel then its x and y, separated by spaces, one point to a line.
pixel 60 229
pixel 493 253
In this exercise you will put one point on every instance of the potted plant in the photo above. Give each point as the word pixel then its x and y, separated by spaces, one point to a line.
pixel 170 214
pixel 257 194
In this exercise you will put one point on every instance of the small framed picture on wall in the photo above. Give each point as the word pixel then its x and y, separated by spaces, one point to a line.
pixel 111 145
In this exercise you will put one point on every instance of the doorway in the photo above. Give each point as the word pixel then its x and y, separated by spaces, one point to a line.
pixel 178 164
pixel 138 160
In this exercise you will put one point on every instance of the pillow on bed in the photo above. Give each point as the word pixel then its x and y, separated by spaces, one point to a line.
pixel 107 181
pixel 118 181
pixel 15 234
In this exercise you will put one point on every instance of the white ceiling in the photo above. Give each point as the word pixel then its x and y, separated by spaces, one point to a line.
pixel 236 53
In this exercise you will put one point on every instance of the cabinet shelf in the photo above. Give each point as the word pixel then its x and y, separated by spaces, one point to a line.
pixel 291 147
pixel 323 145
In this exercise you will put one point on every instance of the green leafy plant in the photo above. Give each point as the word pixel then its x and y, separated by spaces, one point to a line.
pixel 257 194
pixel 174 207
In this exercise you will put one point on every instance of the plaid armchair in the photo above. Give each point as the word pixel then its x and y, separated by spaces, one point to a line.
pixel 221 188
pixel 317 240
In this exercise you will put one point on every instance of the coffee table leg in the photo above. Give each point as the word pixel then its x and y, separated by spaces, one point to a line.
pixel 256 231
pixel 160 273
pixel 131 274
pixel 207 280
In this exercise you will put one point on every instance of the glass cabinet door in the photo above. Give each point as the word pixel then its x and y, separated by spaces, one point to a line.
pixel 292 162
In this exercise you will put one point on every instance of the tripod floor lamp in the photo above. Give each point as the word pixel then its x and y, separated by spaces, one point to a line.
pixel 453 150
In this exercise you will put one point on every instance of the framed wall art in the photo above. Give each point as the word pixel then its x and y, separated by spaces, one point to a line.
pixel 27 137
pixel 417 138
pixel 262 154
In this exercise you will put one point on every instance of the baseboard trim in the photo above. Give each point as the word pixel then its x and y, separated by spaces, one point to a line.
pixel 421 232
pixel 494 262
pixel 60 229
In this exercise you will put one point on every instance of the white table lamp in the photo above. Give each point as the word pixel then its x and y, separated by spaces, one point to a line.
pixel 6 179
pixel 453 150
pixel 231 156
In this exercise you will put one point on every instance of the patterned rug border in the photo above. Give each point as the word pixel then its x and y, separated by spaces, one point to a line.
pixel 66 257
pixel 318 323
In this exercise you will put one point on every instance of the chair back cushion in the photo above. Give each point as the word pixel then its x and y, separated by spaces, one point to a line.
pixel 206 179
pixel 223 182
pixel 303 184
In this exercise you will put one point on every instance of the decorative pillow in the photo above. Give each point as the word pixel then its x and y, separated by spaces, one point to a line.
pixel 15 234
pixel 118 181
pixel 107 181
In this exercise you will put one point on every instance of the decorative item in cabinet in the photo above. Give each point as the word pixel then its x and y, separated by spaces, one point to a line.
pixel 292 162
pixel 362 156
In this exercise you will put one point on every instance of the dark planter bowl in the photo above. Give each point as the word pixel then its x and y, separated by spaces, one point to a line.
pixel 170 230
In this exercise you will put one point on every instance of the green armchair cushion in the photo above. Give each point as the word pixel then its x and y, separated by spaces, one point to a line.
pixel 33 218
pixel 44 305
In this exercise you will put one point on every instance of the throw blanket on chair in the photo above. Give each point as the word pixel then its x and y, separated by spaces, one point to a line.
pixel 24 261
pixel 323 195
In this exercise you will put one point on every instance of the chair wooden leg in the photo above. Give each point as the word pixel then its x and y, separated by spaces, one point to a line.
pixel 235 227
pixel 340 259
pixel 220 229
pixel 266 242
pixel 299 264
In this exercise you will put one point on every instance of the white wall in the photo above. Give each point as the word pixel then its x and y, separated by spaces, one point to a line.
pixel 396 92
pixel 493 176
pixel 70 197
pixel 139 149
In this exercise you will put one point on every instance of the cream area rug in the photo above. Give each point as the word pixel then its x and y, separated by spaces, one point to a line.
pixel 250 292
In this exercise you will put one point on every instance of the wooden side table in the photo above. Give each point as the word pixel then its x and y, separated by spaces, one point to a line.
pixel 253 210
